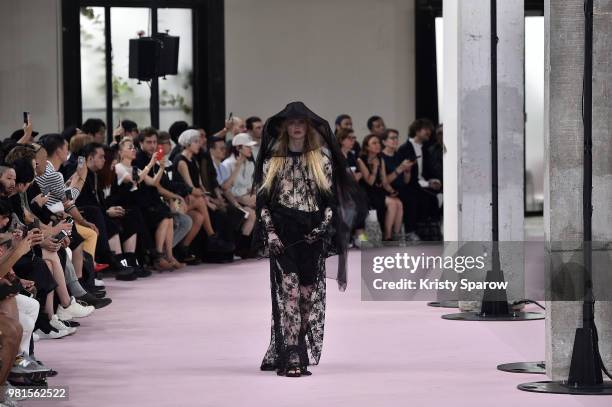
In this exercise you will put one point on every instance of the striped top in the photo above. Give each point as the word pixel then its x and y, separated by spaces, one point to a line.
pixel 52 183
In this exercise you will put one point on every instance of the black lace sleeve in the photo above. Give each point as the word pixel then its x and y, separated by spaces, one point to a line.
pixel 263 224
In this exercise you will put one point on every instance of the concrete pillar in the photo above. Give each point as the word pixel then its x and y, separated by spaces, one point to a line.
pixel 563 133
pixel 467 127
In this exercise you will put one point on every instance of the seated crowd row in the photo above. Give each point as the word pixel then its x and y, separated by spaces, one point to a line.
pixel 74 208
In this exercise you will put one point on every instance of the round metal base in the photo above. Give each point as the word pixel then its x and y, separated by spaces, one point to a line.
pixel 523 367
pixel 444 304
pixel 604 389
pixel 474 316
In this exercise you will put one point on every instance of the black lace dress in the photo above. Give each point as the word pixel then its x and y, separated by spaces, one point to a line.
pixel 294 209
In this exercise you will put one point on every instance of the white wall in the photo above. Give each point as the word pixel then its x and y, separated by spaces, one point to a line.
pixel 30 64
pixel 337 56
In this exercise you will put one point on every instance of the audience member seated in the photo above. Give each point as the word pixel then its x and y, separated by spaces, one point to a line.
pixel 76 143
pixel 96 129
pixel 346 139
pixel 345 122
pixel 376 125
pixel 175 130
pixel 381 196
pixel 398 172
pixel 118 232
pixel 435 156
pixel 233 126
pixel 240 167
pixel 137 188
pixel 420 194
pixel 254 126
pixel 199 206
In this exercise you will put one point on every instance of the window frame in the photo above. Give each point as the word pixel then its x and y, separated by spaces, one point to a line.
pixel 208 59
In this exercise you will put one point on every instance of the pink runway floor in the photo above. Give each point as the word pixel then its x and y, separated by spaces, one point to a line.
pixel 196 338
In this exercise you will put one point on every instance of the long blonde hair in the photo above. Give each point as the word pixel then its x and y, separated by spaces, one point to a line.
pixel 313 158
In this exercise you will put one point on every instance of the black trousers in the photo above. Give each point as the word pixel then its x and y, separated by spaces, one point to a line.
pixel 420 205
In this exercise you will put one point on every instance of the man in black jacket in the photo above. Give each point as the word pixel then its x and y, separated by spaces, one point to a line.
pixel 419 196
pixel 114 225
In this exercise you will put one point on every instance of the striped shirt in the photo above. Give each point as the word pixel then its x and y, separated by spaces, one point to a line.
pixel 52 183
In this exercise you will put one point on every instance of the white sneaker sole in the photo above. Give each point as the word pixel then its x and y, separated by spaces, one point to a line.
pixel 51 335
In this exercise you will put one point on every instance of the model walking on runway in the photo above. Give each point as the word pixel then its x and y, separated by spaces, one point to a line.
pixel 301 180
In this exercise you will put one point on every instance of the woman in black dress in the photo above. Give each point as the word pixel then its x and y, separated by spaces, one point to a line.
pixel 301 184
pixel 382 197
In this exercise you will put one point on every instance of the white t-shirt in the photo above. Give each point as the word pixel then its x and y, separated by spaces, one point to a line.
pixel 418 150
pixel 244 180
pixel 123 171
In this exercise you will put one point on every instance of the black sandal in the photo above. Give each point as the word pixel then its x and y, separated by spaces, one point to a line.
pixel 293 372
pixel 293 368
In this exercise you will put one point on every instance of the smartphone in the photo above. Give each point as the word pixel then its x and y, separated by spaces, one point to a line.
pixel 68 193
pixel 26 117
pixel 160 153
pixel 135 174
pixel 34 225
pixel 59 238
pixel 81 162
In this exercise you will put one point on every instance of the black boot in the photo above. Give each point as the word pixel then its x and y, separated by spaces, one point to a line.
pixel 243 247
pixel 119 265
pixel 216 244
pixel 90 299
pixel 183 254
pixel 132 261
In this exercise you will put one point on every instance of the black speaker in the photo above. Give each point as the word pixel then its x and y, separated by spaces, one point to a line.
pixel 168 59
pixel 144 58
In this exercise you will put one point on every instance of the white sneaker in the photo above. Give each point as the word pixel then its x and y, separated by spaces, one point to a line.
pixel 74 310
pixel 99 283
pixel 53 334
pixel 59 325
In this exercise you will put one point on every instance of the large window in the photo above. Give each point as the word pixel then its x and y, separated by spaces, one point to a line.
pixel 131 98
pixel 96 62
pixel 534 106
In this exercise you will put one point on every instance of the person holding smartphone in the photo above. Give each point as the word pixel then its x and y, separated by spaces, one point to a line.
pixel 138 188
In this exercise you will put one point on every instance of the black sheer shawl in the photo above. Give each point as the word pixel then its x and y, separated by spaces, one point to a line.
pixel 343 186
